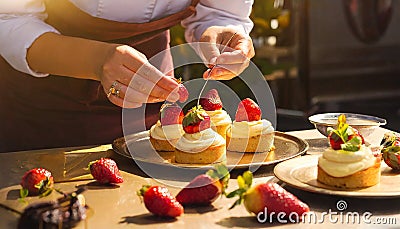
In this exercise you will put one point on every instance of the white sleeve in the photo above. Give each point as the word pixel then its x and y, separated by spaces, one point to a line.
pixel 21 22
pixel 231 13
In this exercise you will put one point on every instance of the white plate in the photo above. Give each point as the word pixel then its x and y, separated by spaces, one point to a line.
pixel 301 173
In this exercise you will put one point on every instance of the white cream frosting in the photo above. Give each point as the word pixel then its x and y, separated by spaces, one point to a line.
pixel 341 163
pixel 168 132
pixel 197 142
pixel 219 117
pixel 246 129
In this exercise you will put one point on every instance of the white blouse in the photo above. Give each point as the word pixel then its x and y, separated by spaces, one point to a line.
pixel 22 21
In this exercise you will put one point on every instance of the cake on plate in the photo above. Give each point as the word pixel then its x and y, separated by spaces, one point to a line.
pixel 212 104
pixel 348 162
pixel 249 132
pixel 200 144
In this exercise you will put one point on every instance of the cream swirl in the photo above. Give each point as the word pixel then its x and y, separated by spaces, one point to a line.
pixel 246 129
pixel 340 163
pixel 219 117
pixel 197 142
pixel 168 132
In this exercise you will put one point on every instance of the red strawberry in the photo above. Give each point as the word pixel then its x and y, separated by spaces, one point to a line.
pixel 171 114
pixel 211 101
pixel 391 150
pixel 356 133
pixel 196 120
pixel 105 171
pixel 159 201
pixel 267 197
pixel 206 188
pixel 37 181
pixel 182 91
pixel 248 110
pixel 344 136
pixel 391 157
pixel 335 141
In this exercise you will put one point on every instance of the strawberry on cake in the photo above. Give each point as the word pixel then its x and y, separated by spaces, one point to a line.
pixel 168 129
pixel 348 163
pixel 200 144
pixel 250 133
pixel 220 120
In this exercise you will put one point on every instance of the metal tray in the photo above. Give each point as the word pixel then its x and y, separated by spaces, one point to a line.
pixel 138 147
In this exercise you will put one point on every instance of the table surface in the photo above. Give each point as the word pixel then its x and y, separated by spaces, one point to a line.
pixel 119 207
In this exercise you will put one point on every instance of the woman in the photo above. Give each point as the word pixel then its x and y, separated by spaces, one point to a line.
pixel 67 64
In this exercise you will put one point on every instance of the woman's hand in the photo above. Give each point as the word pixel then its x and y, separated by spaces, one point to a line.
pixel 128 71
pixel 235 57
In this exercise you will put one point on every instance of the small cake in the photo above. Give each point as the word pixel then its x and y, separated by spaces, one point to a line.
pixel 200 144
pixel 168 129
pixel 250 133
pixel 220 120
pixel 348 163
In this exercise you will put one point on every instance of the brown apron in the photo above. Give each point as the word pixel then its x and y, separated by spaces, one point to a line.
pixel 58 111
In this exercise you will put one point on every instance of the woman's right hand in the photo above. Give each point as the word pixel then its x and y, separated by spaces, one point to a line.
pixel 138 82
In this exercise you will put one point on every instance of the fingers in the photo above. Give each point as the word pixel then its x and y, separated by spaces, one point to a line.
pixel 210 52
pixel 137 80
pixel 235 57
pixel 151 73
pixel 147 87
pixel 231 60
pixel 131 96
pixel 225 72
pixel 150 81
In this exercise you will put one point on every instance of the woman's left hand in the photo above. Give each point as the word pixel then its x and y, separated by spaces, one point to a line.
pixel 234 59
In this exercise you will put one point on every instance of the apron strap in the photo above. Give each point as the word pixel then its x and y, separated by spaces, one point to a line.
pixel 72 21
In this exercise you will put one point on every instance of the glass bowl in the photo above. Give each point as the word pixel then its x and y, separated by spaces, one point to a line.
pixel 365 124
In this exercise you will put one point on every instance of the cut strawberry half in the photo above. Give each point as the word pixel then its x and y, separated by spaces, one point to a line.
pixel 196 120
pixel 211 101
pixel 171 114
pixel 248 110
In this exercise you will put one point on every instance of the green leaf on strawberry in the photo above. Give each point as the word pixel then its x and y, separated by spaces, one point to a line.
pixel 391 150
pixel 352 145
pixel 344 137
pixel 221 173
pixel 23 192
pixel 204 189
pixel 196 120
pixel 267 195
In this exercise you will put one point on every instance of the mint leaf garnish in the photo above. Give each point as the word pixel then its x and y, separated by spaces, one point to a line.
pixel 353 145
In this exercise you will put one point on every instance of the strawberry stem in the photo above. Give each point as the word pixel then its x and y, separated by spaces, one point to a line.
pixel 244 181
pixel 143 190
pixel 220 172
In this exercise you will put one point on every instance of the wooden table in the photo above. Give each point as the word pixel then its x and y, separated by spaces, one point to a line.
pixel 119 207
